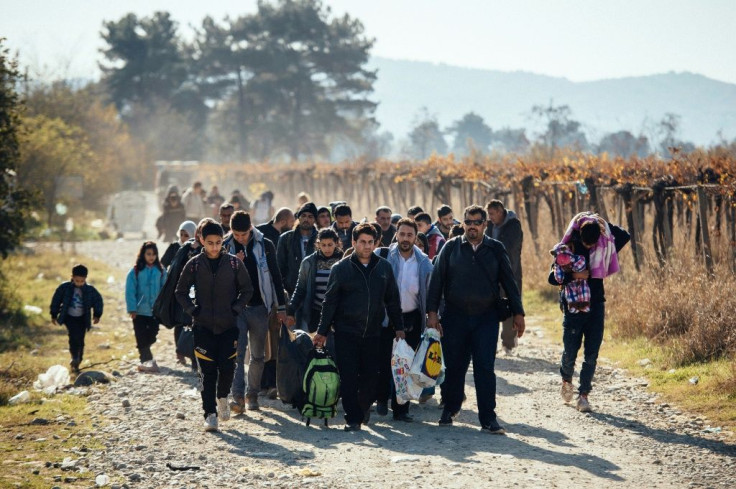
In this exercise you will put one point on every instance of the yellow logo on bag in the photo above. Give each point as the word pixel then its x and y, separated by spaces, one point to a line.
pixel 433 359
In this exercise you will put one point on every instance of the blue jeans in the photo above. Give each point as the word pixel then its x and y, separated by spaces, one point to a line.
pixel 584 328
pixel 253 331
pixel 467 337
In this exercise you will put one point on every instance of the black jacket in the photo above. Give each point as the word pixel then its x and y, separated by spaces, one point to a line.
pixel 469 280
pixel 512 237
pixel 270 232
pixel 358 298
pixel 62 299
pixel 220 296
pixel 597 292
pixel 289 256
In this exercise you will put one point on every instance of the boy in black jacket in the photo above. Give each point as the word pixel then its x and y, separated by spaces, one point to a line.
pixel 222 289
pixel 71 306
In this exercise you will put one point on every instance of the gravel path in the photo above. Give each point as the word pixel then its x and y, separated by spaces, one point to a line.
pixel 149 421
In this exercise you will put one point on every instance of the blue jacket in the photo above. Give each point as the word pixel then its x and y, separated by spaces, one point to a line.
pixel 141 289
pixel 91 300
pixel 424 266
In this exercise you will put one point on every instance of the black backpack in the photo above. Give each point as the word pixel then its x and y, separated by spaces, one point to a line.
pixel 291 364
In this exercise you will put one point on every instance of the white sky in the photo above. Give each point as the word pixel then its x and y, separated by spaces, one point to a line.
pixel 575 39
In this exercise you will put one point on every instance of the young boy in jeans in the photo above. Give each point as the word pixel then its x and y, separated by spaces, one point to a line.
pixel 71 306
pixel 222 289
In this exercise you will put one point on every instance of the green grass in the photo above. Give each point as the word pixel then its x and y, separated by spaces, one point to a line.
pixel 30 347
pixel 714 396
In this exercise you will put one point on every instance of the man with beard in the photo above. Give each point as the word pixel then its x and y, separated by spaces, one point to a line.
pixel 388 230
pixel 468 273
pixel 344 224
pixel 282 221
pixel 445 220
pixel 412 270
pixel 360 291
pixel 296 244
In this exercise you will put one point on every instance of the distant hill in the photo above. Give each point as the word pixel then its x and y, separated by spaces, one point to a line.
pixel 504 99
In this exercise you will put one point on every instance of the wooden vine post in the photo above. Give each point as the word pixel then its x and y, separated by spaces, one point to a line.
pixel 703 214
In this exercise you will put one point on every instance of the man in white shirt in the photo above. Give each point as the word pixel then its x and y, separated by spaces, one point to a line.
pixel 412 270
pixel 194 207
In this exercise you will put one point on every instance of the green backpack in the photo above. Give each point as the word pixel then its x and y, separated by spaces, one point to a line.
pixel 321 386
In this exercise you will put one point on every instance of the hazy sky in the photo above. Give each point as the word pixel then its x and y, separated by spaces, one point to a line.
pixel 579 40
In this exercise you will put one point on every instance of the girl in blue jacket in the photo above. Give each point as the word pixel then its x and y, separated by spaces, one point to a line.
pixel 142 286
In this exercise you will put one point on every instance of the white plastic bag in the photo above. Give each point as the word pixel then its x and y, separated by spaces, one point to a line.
pixel 402 356
pixel 429 362
pixel 56 376
pixel 19 398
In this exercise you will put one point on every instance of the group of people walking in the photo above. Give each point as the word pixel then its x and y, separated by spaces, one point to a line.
pixel 356 287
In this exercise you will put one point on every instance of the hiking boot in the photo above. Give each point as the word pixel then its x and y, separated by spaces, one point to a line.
pixel 493 428
pixel 237 406
pixel 251 403
pixel 446 418
pixel 405 417
pixel 567 391
pixel 425 397
pixel 583 404
pixel 223 409
pixel 210 422
pixel 352 427
pixel 382 408
pixel 273 393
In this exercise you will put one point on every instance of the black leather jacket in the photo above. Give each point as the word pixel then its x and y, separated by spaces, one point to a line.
pixel 469 280
pixel 358 298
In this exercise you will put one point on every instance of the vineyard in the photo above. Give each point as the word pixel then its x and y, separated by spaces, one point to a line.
pixel 655 199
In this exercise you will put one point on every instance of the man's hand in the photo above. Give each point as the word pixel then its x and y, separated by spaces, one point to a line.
pixel 400 335
pixel 519 325
pixel 319 340
pixel 95 320
pixel 53 321
pixel 290 321
pixel 132 316
pixel 434 322
pixel 240 255
pixel 581 275
pixel 281 316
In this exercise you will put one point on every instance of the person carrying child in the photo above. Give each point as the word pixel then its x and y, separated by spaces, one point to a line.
pixel 598 242
pixel 142 286
pixel 76 305
pixel 222 289
pixel 576 293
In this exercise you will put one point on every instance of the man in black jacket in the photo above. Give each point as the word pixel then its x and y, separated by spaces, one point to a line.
pixel 282 221
pixel 468 273
pixel 361 289
pixel 504 226
pixel 344 225
pixel 222 290
pixel 297 244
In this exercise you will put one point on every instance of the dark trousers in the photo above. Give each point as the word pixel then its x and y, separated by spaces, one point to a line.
pixel 584 328
pixel 76 327
pixel 215 356
pixel 146 330
pixel 357 360
pixel 465 337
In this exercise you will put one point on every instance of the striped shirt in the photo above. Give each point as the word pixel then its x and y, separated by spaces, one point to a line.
pixel 320 286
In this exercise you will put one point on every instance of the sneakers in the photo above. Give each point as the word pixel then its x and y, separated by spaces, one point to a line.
pixel 583 404
pixel 493 428
pixel 352 427
pixel 567 391
pixel 150 367
pixel 382 408
pixel 272 393
pixel 252 403
pixel 237 406
pixel 210 422
pixel 223 409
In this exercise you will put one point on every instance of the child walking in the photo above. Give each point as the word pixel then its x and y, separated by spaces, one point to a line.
pixel 72 306
pixel 142 286
pixel 222 289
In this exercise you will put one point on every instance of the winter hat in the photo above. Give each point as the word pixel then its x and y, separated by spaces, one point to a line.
pixel 307 207
pixel 189 227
